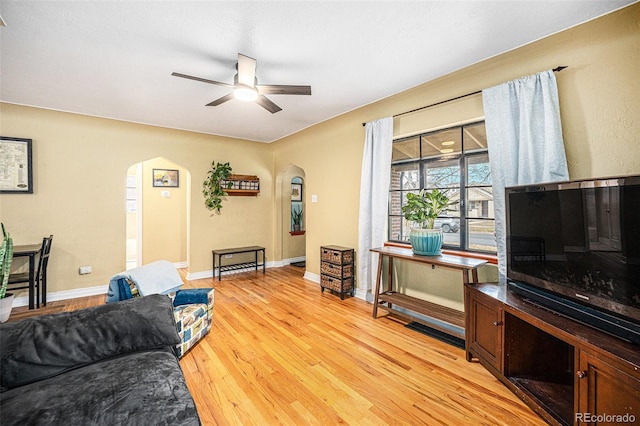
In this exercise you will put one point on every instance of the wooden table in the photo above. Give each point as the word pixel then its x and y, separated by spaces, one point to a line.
pixel 432 310
pixel 237 250
pixel 30 250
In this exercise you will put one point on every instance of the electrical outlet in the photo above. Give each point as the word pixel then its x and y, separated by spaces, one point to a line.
pixel 85 270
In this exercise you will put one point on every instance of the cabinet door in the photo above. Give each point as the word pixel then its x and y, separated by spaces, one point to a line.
pixel 484 329
pixel 605 389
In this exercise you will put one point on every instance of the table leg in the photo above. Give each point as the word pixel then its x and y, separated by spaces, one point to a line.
pixel 219 267
pixel 474 274
pixel 390 279
pixel 264 262
pixel 376 292
pixel 32 281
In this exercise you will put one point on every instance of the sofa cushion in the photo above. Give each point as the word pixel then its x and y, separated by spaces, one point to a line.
pixel 144 388
pixel 37 348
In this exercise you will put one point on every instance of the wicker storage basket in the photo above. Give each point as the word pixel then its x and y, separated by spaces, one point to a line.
pixel 335 284
pixel 338 271
pixel 336 256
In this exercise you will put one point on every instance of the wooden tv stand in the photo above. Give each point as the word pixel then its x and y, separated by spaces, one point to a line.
pixel 567 372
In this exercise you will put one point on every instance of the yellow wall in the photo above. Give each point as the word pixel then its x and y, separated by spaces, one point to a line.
pixel 293 246
pixel 80 162
pixel 600 112
pixel 164 211
pixel 80 168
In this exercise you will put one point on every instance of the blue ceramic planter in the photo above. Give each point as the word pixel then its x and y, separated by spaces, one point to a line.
pixel 426 242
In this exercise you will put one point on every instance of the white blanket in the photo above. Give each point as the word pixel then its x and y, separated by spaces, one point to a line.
pixel 156 277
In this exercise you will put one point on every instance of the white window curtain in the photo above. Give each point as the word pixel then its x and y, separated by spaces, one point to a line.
pixel 524 137
pixel 374 192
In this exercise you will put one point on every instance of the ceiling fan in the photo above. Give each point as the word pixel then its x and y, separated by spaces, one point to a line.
pixel 246 88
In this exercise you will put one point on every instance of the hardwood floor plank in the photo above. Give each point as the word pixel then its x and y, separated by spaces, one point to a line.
pixel 281 352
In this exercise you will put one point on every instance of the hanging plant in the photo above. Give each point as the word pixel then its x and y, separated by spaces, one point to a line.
pixel 213 187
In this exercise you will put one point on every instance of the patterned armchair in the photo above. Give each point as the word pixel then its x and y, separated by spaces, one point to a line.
pixel 193 311
pixel 193 308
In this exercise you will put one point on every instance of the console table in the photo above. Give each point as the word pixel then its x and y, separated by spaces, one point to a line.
pixel 432 310
pixel 240 265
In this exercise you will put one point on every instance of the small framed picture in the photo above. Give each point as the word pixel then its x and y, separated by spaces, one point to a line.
pixel 16 166
pixel 296 192
pixel 166 178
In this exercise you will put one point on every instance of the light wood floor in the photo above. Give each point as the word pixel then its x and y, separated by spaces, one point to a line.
pixel 282 352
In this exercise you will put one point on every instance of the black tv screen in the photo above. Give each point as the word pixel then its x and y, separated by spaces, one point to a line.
pixel 579 240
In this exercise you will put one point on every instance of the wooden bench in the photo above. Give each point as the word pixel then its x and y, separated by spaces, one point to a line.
pixel 229 252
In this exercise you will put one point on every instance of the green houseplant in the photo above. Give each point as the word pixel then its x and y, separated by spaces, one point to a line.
pixel 6 257
pixel 213 187
pixel 422 209
pixel 296 217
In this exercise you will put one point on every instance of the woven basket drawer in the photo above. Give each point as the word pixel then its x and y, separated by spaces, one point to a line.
pixel 337 284
pixel 336 270
pixel 336 256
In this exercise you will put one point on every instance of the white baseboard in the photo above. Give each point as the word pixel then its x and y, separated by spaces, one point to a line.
pixel 360 294
pixel 294 260
pixel 65 295
pixel 312 277
pixel 209 274
pixel 102 289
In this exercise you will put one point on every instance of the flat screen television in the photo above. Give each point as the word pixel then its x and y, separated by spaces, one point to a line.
pixel 576 247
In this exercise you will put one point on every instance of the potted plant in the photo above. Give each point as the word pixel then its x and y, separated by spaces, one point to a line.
pixel 6 257
pixel 296 217
pixel 422 209
pixel 213 187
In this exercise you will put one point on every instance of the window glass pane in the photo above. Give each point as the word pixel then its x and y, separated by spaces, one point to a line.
pixel 396 199
pixel 478 170
pixel 456 161
pixel 131 206
pixel 475 137
pixel 482 235
pixel 442 174
pixel 406 149
pixel 443 142
pixel 451 239
pixel 480 202
pixel 398 229
pixel 405 176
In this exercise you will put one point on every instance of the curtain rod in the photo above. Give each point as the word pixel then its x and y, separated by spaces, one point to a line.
pixel 556 69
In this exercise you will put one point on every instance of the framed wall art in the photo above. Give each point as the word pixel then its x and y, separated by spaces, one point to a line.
pixel 296 192
pixel 166 178
pixel 16 166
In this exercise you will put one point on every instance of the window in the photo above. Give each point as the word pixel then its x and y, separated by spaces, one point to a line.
pixel 454 160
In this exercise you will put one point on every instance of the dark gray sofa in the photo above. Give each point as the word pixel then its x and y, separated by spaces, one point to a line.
pixel 107 365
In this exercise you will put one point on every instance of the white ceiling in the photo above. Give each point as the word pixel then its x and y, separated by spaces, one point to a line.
pixel 114 59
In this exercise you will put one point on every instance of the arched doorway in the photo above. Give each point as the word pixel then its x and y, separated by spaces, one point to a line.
pixel 157 212
pixel 291 194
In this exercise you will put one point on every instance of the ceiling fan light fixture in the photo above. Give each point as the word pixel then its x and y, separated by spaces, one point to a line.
pixel 245 93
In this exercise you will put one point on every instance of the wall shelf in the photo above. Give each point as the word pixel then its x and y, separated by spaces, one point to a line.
pixel 241 185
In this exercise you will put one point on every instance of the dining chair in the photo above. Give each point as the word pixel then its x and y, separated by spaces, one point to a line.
pixel 21 280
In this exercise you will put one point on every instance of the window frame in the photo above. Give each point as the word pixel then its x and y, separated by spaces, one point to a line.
pixel 422 163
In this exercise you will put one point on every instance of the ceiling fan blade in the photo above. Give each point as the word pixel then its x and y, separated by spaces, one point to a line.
pixel 221 100
pixel 204 80
pixel 276 89
pixel 246 70
pixel 267 104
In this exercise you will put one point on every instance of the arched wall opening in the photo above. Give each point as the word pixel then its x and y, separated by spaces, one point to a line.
pixel 158 205
pixel 290 196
